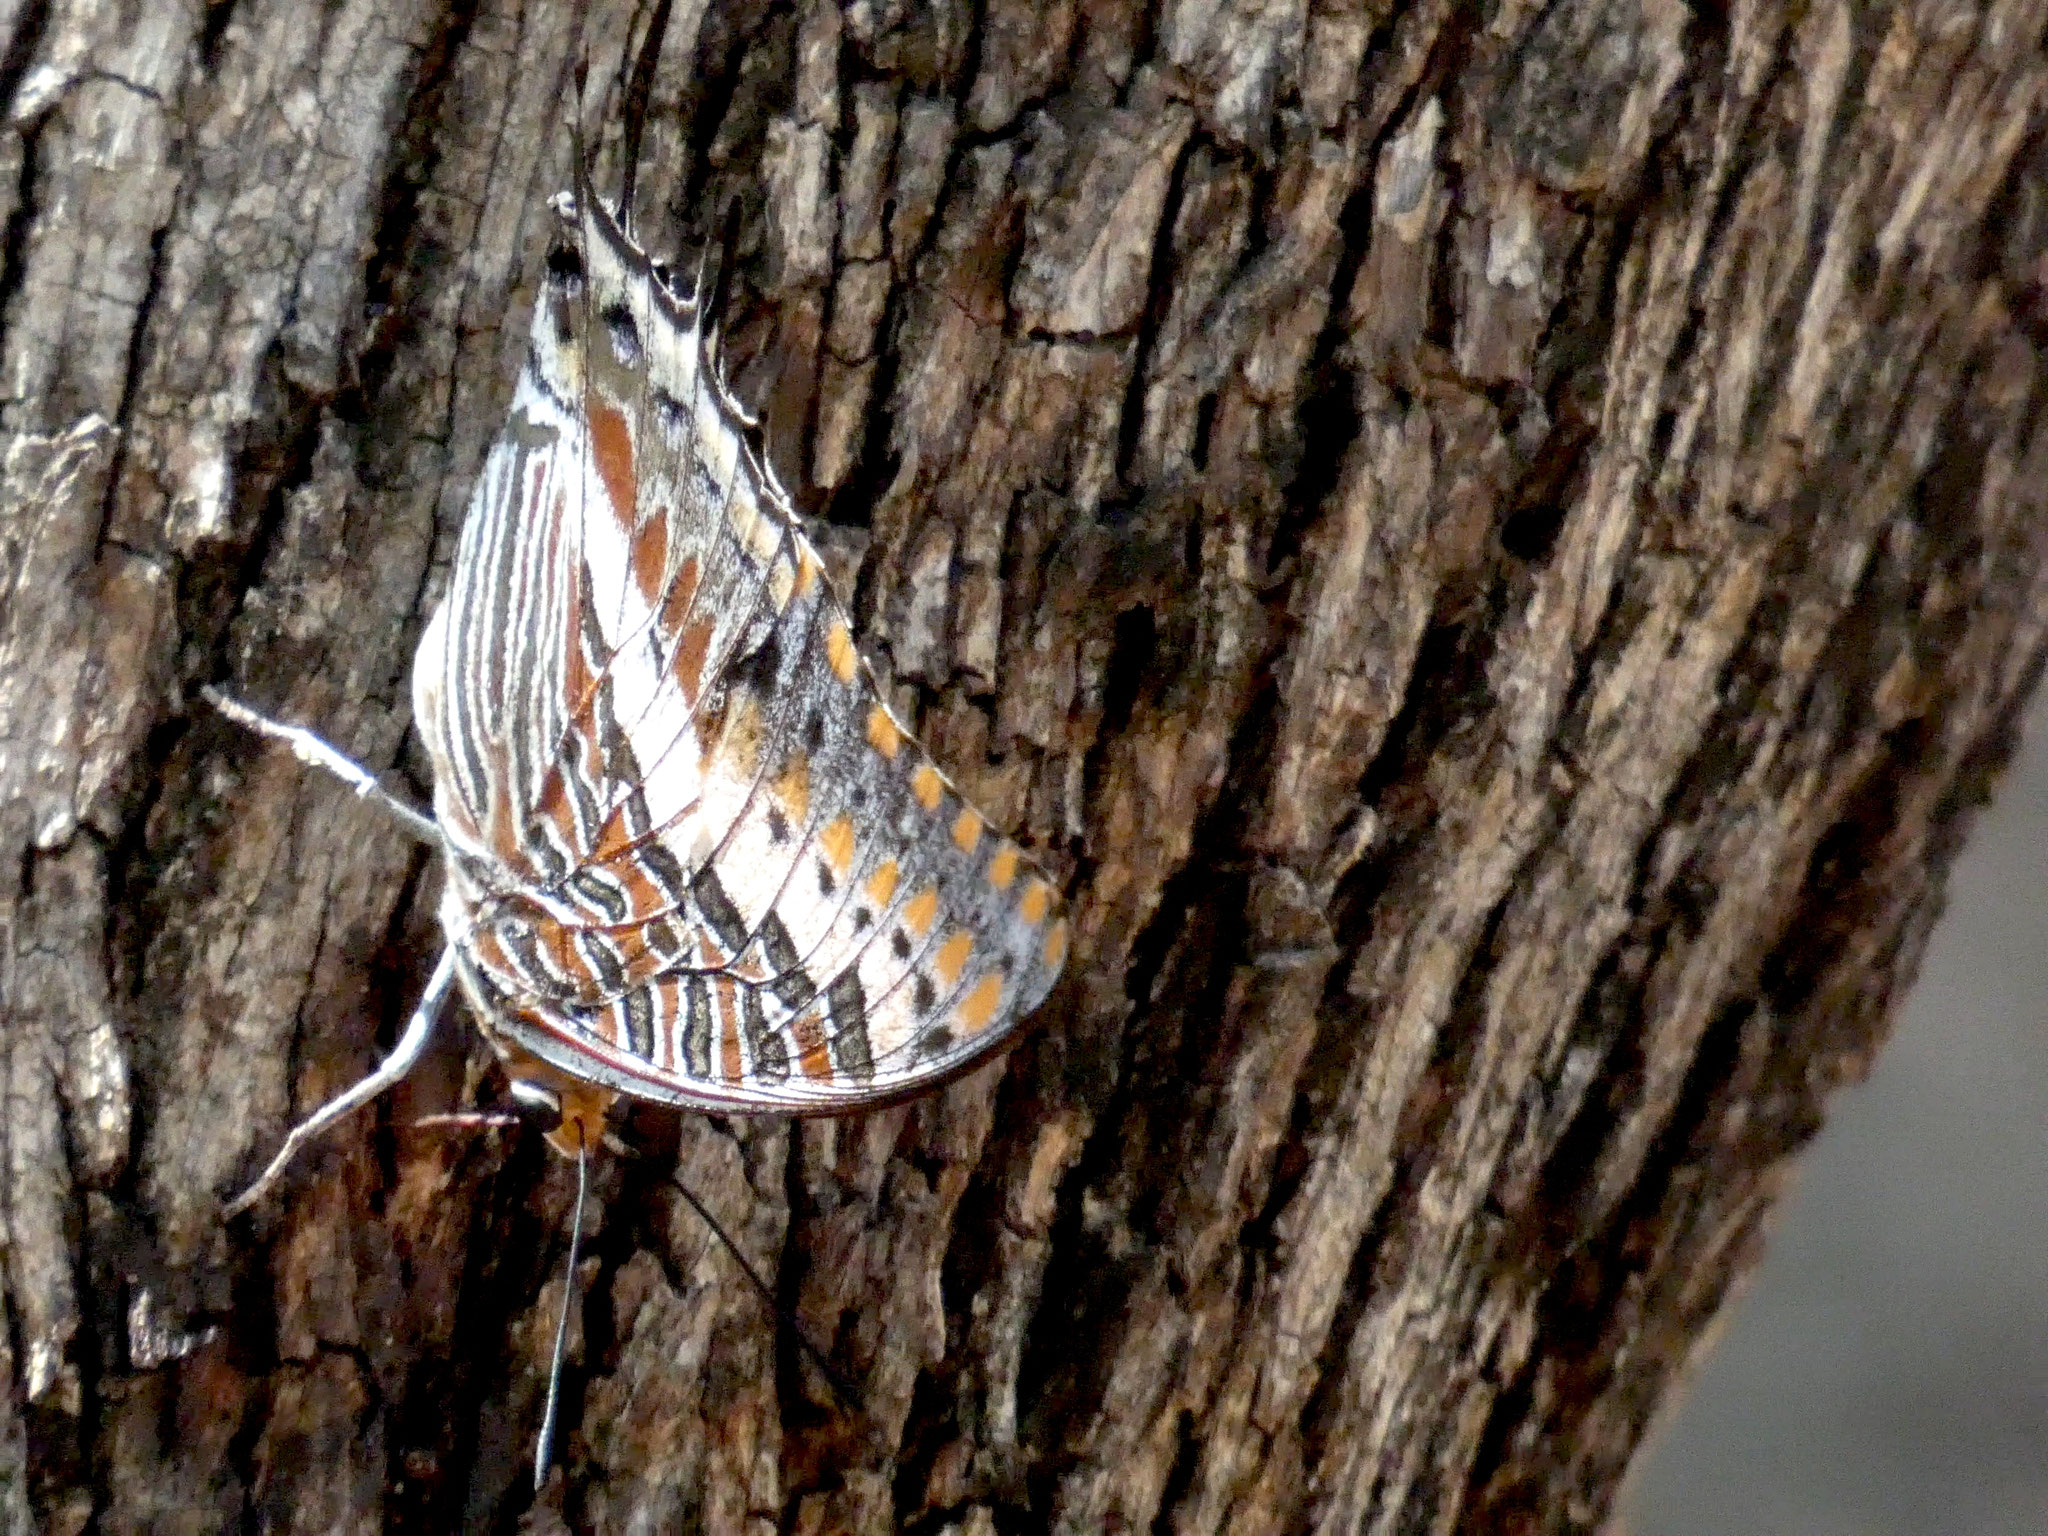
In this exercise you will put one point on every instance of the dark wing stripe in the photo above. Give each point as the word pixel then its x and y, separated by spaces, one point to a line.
pixel 638 1008
pixel 850 1027
pixel 598 887
pixel 770 1052
pixel 697 1027
pixel 791 985
pixel 719 912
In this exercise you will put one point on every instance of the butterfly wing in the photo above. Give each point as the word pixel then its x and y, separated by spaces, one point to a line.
pixel 694 857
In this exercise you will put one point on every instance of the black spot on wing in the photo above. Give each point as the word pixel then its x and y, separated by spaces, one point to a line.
pixel 720 914
pixel 756 670
pixel 663 869
pixel 697 1027
pixel 625 335
pixel 565 266
pixel 849 1013
pixel 771 1055
pixel 602 957
pixel 792 984
pixel 638 1009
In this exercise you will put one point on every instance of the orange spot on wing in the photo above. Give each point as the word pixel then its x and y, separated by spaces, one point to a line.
pixel 978 1007
pixel 1037 902
pixel 568 960
pixel 882 883
pixel 967 830
pixel 613 840
pixel 812 1058
pixel 645 901
pixel 839 651
pixel 680 593
pixel 689 662
pixel 504 834
pixel 837 842
pixel 1002 869
pixel 491 950
pixel 650 557
pixel 554 806
pixel 920 911
pixel 928 787
pixel 1056 946
pixel 806 569
pixel 794 788
pixel 728 1029
pixel 740 746
pixel 952 957
pixel 611 444
pixel 882 733
pixel 630 944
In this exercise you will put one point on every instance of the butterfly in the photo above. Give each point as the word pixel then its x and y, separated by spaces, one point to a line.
pixel 692 855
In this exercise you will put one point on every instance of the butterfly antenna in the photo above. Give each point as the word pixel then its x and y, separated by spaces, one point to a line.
pixel 547 1420
pixel 842 1388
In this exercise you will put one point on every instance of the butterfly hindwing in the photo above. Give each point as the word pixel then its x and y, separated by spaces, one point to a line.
pixel 694 856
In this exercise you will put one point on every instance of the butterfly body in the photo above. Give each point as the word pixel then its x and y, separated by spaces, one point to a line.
pixel 692 855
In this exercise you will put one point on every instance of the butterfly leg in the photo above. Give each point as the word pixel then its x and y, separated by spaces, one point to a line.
pixel 315 753
pixel 467 1120
pixel 390 1072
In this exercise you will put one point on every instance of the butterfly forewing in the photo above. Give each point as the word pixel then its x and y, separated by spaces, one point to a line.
pixel 694 857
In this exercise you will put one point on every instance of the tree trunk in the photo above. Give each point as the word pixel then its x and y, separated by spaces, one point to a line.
pixel 1492 548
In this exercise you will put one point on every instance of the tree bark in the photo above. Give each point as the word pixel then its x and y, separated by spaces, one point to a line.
pixel 1492 548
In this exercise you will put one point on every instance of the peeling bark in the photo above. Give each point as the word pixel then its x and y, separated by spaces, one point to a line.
pixel 1494 549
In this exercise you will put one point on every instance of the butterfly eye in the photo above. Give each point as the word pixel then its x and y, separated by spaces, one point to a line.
pixel 539 1107
pixel 565 267
pixel 625 335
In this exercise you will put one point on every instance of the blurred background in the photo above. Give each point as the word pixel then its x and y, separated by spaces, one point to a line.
pixel 1886 1374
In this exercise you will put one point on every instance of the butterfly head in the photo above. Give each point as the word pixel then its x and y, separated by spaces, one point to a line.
pixel 568 1111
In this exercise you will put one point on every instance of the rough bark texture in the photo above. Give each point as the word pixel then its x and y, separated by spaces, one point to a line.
pixel 1493 546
